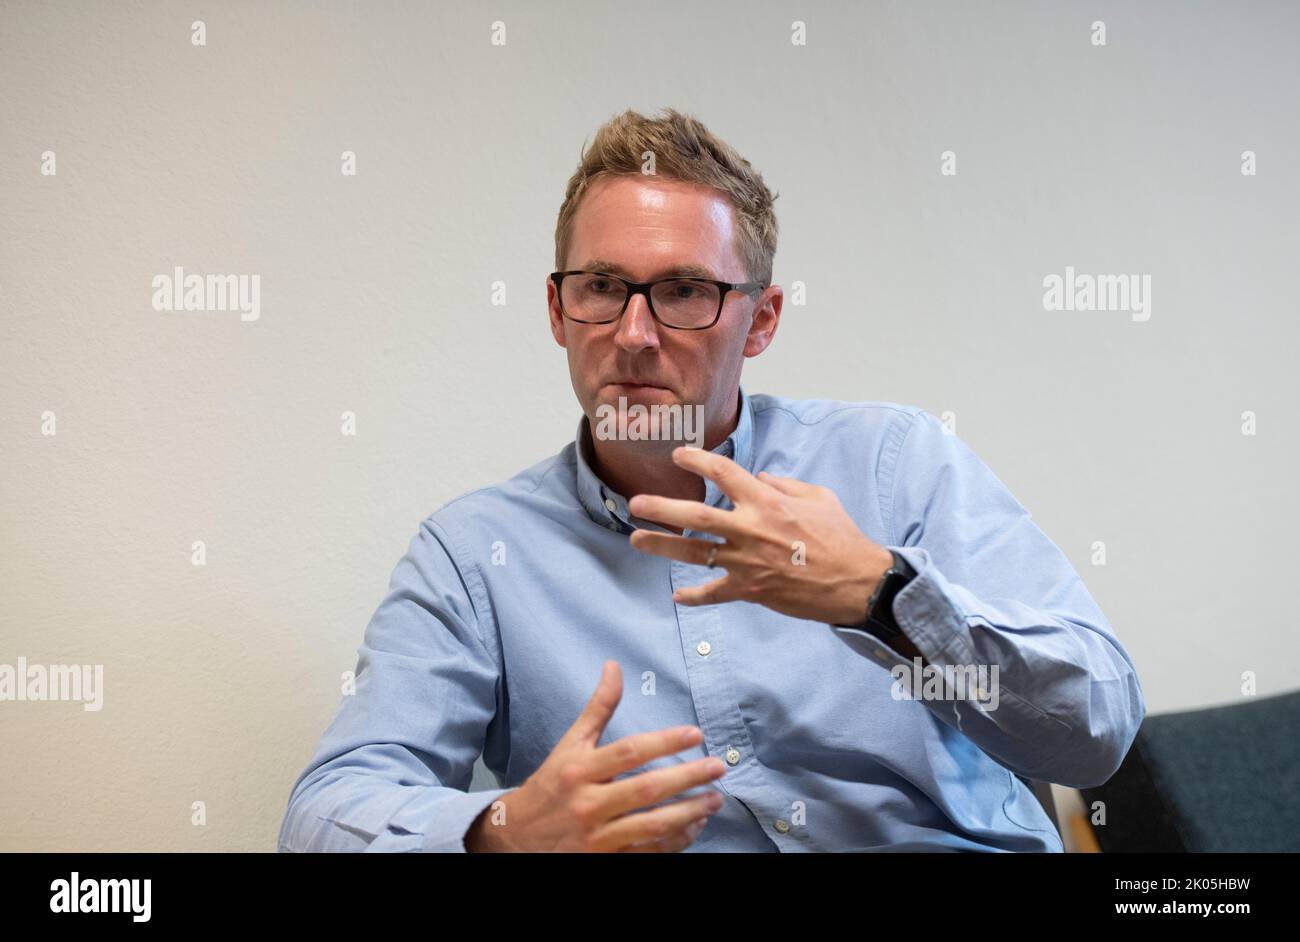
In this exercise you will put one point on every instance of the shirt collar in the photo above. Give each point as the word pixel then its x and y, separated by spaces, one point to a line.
pixel 609 508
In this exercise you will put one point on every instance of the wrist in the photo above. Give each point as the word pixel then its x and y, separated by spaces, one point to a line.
pixel 477 838
pixel 484 837
pixel 861 586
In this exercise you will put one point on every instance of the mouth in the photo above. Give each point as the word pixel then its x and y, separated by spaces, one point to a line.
pixel 639 387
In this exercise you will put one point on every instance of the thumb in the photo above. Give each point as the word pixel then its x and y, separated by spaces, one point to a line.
pixel 595 715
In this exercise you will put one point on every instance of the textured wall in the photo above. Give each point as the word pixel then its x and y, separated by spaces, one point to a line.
pixel 173 427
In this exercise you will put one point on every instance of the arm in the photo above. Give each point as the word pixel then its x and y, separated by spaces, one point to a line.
pixel 391 770
pixel 992 589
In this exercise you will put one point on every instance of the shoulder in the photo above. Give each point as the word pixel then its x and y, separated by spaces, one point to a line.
pixel 875 421
pixel 538 487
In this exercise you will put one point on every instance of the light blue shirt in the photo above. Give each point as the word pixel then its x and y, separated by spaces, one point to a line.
pixel 497 620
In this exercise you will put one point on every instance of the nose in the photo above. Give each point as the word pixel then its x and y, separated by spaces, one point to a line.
pixel 637 329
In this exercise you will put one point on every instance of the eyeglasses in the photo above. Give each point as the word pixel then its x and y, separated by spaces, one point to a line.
pixel 590 297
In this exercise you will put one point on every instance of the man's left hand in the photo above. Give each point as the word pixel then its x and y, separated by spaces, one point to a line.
pixel 790 545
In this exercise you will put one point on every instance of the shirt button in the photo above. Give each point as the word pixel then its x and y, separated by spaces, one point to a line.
pixel 704 648
pixel 733 756
pixel 610 505
pixel 880 653
pixel 612 526
pixel 782 826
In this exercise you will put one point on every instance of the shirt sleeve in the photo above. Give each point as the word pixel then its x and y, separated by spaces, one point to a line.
pixel 391 771
pixel 991 589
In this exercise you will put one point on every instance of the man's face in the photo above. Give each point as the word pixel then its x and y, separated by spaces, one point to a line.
pixel 644 228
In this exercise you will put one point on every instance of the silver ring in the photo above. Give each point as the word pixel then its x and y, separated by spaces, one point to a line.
pixel 713 554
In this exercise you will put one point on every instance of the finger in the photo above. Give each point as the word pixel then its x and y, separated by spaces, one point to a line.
pixel 595 715
pixel 653 787
pixel 676 842
pixel 670 546
pixel 711 593
pixel 691 832
pixel 731 478
pixel 687 514
pixel 653 825
pixel 790 486
pixel 636 750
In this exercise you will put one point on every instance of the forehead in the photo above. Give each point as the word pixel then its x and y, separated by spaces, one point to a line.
pixel 651 226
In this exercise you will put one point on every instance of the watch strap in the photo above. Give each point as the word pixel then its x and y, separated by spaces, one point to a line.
pixel 879 618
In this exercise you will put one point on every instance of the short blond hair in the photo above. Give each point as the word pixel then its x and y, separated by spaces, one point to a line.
pixel 685 150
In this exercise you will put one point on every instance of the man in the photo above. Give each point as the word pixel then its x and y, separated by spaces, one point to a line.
pixel 782 599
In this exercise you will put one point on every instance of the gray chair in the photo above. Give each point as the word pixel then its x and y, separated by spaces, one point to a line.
pixel 1223 779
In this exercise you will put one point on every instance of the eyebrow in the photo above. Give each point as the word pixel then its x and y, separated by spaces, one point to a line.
pixel 672 271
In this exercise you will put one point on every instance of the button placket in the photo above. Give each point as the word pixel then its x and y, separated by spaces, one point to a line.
pixel 705 641
pixel 743 779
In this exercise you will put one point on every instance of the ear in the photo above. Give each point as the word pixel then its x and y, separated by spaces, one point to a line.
pixel 553 311
pixel 764 321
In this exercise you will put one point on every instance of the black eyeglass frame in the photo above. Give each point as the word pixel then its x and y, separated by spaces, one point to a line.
pixel 748 288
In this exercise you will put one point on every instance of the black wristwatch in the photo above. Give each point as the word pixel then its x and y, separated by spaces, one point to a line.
pixel 880 619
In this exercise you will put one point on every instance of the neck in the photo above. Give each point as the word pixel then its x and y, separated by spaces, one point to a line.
pixel 647 467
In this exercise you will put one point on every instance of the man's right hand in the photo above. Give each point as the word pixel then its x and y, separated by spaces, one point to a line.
pixel 571 804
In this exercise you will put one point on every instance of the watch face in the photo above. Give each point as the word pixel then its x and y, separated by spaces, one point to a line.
pixel 884 589
pixel 882 607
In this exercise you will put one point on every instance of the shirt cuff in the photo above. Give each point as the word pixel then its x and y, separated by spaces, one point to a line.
pixel 438 826
pixel 923 610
